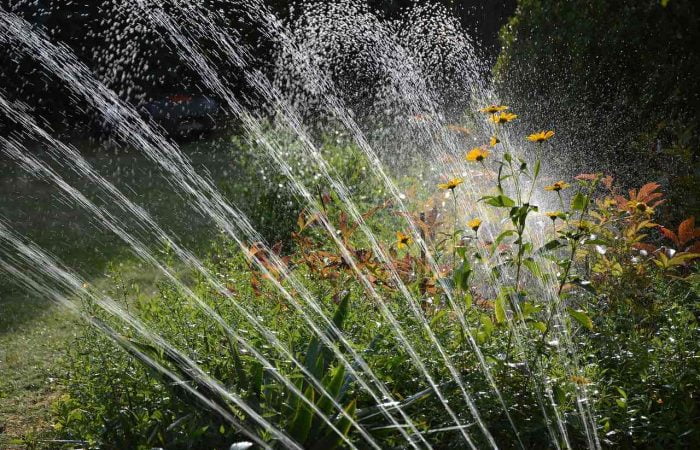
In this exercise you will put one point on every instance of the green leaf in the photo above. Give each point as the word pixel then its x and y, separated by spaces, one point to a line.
pixel 528 309
pixel 622 392
pixel 486 324
pixel 537 168
pixel 551 245
pixel 437 317
pixel 539 326
pixel 559 394
pixel 500 309
pixel 461 275
pixel 581 317
pixel 502 236
pixel 342 312
pixel 317 356
pixel 499 201
pixel 579 202
pixel 468 300
pixel 332 383
pixel 303 418
pixel 533 267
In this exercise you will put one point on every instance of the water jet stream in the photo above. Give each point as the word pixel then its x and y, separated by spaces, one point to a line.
pixel 256 80
pixel 133 130
pixel 72 158
pixel 37 261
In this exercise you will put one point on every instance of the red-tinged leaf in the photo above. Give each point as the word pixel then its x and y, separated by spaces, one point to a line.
pixel 255 284
pixel 686 231
pixel 647 189
pixel 586 177
pixel 651 197
pixel 669 234
pixel 277 248
pixel 644 246
pixel 608 181
pixel 621 202
pixel 326 198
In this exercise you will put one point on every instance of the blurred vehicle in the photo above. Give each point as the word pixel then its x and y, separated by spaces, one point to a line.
pixel 183 115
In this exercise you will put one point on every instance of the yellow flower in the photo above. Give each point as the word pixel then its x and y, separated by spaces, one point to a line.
pixel 477 154
pixel 474 224
pixel 558 186
pixel 641 207
pixel 540 136
pixel 503 117
pixel 493 109
pixel 402 240
pixel 453 183
pixel 554 215
pixel 493 141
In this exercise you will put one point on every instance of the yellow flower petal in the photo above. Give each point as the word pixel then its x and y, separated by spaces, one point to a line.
pixel 453 183
pixel 477 154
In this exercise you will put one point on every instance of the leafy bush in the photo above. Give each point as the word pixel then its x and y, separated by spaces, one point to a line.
pixel 561 325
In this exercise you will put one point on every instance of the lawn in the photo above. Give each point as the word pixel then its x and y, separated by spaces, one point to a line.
pixel 35 332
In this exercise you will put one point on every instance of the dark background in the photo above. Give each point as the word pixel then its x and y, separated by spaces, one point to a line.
pixel 135 62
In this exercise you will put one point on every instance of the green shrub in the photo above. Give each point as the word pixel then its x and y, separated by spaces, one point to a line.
pixel 597 325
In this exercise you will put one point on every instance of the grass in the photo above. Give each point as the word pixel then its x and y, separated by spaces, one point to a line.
pixel 34 336
pixel 34 332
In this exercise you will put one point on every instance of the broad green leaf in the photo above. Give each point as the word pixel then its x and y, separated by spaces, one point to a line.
pixel 468 300
pixel 551 245
pixel 303 418
pixel 486 324
pixel 500 309
pixel 532 267
pixel 539 326
pixel 504 235
pixel 579 202
pixel 317 356
pixel 461 275
pixel 499 201
pixel 528 309
pixel 332 383
pixel 581 317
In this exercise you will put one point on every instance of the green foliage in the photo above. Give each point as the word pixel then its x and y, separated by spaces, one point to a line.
pixel 624 299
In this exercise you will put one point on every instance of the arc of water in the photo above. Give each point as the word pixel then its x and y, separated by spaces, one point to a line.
pixel 161 158
pixel 340 112
pixel 133 130
pixel 82 167
pixel 111 223
pixel 38 260
pixel 417 91
pixel 214 84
